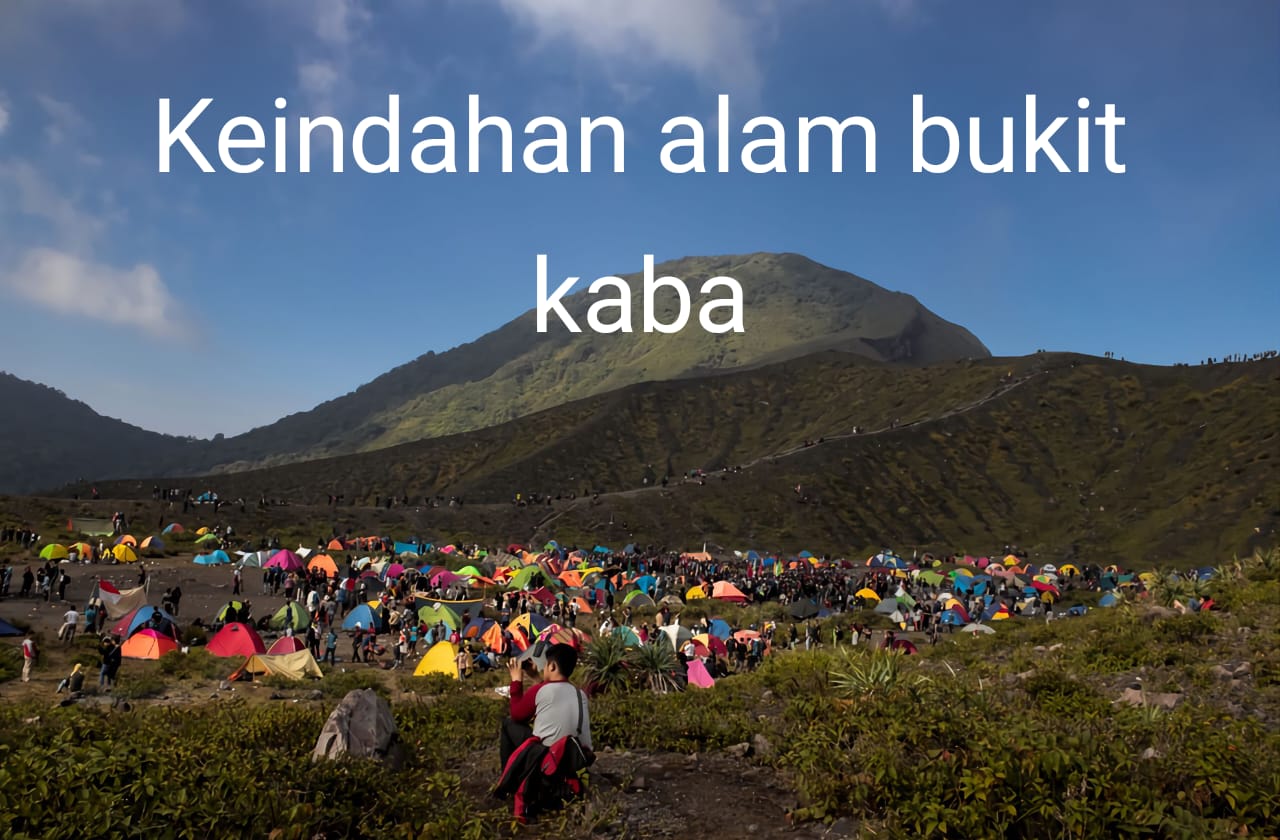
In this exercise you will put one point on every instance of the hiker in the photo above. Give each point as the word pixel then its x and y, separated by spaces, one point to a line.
pixel 30 656
pixel 110 652
pixel 67 633
pixel 331 647
pixel 541 762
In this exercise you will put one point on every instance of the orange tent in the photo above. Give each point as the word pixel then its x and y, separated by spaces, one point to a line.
pixel 493 640
pixel 583 606
pixel 325 563
pixel 147 644
pixel 726 591
pixel 335 545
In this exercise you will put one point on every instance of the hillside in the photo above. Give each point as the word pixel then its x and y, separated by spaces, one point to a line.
pixel 792 307
pixel 1080 457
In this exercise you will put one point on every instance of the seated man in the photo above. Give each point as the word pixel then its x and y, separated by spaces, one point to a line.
pixel 541 762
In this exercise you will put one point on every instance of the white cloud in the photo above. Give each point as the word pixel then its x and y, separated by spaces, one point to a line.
pixel 319 83
pixel 69 285
pixel 715 40
pixel 38 198
pixel 64 120
pixel 337 21
pixel 4 112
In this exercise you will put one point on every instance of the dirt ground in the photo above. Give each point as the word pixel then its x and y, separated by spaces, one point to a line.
pixel 644 794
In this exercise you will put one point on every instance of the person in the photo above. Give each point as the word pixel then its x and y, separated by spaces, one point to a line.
pixel 110 653
pixel 553 708
pixel 542 763
pixel 331 646
pixel 69 620
pixel 30 654
pixel 73 683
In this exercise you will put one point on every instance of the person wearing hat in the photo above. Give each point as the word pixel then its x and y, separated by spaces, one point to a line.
pixel 74 683
pixel 553 708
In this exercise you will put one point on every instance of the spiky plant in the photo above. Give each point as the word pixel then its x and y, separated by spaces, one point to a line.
pixel 655 666
pixel 881 673
pixel 604 663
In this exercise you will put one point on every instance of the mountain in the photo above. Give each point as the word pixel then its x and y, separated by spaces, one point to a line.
pixel 1085 458
pixel 792 307
pixel 47 439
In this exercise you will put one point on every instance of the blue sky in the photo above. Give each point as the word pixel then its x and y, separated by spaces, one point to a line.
pixel 196 303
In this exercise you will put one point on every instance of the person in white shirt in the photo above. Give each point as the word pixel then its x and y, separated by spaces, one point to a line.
pixel 69 620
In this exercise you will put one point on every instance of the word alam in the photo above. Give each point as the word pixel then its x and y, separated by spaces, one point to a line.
pixel 764 144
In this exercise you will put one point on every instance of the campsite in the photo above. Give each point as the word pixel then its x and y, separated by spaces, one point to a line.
pixel 1148 700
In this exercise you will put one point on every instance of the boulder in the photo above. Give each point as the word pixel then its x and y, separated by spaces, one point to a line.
pixel 362 726
pixel 739 750
pixel 760 745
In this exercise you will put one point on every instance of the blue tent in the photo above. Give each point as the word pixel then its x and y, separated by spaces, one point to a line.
pixel 142 620
pixel 362 615
pixel 629 548
pixel 1108 600
pixel 720 627
pixel 805 555
pixel 953 618
pixel 645 583
pixel 7 629
pixel 600 549
pixel 403 547
pixel 753 556
pixel 1078 609
pixel 214 558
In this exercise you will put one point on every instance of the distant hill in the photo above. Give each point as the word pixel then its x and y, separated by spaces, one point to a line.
pixel 793 307
pixel 1092 458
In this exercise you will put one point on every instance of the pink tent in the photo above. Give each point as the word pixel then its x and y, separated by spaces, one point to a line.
pixel 394 570
pixel 286 644
pixel 285 559
pixel 698 675
pixel 444 577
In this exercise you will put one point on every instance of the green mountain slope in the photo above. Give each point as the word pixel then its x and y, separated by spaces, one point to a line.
pixel 1084 457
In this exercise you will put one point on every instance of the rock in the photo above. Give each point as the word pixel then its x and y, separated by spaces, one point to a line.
pixel 767 696
pixel 1039 648
pixel 362 726
pixel 1055 646
pixel 760 745
pixel 1221 673
pixel 315 694
pixel 1151 753
pixel 1025 675
pixel 841 828
pixel 224 686
pixel 275 695
pixel 739 750
pixel 637 784
pixel 1244 669
pixel 1160 700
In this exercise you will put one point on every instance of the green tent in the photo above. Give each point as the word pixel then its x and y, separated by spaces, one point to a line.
pixel 290 615
pixel 525 576
pixel 435 613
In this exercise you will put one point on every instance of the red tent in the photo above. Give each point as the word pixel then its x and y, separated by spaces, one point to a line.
pixel 286 644
pixel 236 640
pixel 726 591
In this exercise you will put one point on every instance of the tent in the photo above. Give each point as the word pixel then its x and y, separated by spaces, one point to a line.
pixel 7 629
pixel 127 539
pixel 637 599
pixel 720 627
pixel 236 640
pixel 293 666
pixel 153 544
pixel 440 659
pixel 124 554
pixel 120 604
pixel 724 591
pixel 53 551
pixel 147 644
pixel 213 558
pixel 324 563
pixel 1109 599
pixel 436 614
pixel 284 559
pixel 363 616
pixel 237 606
pixel 173 528
pixel 698 675
pixel 286 644
pixel 678 634
pixel 142 619
pixel 290 615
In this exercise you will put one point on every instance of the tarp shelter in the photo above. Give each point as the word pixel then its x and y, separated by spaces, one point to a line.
pixel 442 658
pixel 118 603
pixel 292 666
pixel 290 615
pixel 236 640
pixel 286 644
pixel 147 644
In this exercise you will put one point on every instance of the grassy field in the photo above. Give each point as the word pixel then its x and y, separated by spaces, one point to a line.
pixel 1019 734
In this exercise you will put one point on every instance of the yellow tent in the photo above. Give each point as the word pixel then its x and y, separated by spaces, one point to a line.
pixel 441 659
pixel 1069 571
pixel 124 554
pixel 293 666
pixel 867 593
pixel 201 532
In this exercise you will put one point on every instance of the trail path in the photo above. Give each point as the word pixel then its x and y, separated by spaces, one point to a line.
pixel 1003 389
